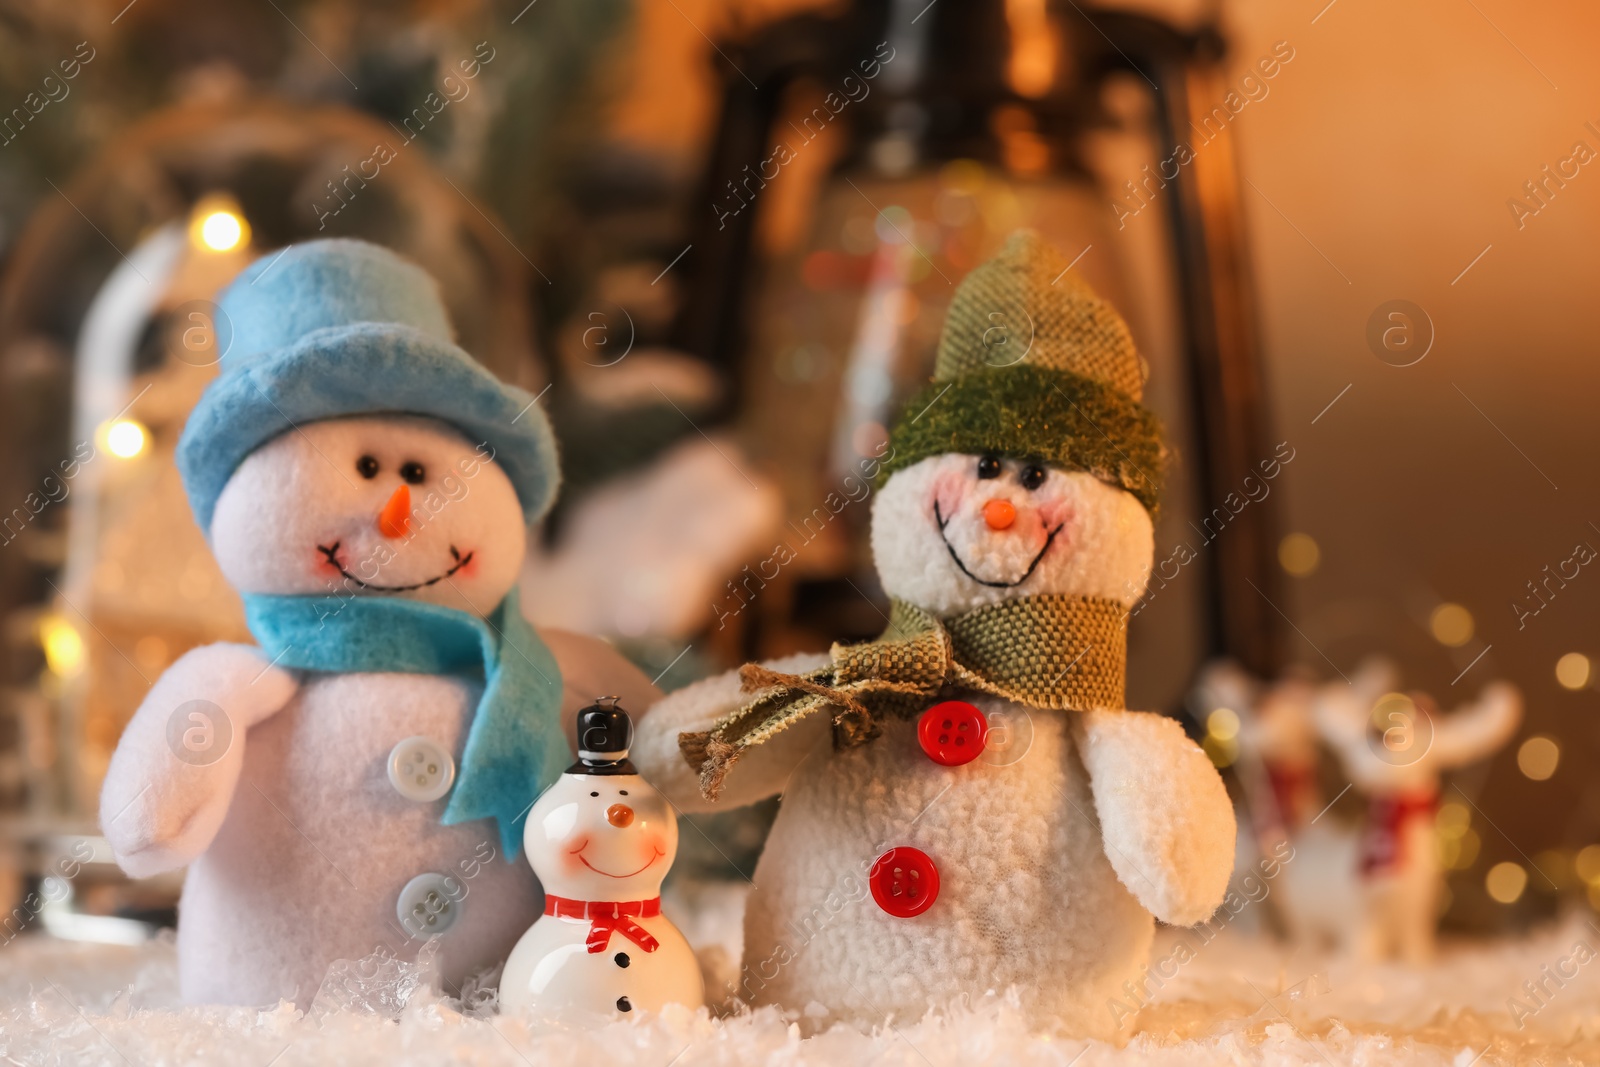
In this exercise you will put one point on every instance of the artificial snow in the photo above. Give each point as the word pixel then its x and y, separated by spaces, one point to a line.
pixel 1240 999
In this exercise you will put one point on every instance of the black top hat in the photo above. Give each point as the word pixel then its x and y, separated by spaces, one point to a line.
pixel 605 734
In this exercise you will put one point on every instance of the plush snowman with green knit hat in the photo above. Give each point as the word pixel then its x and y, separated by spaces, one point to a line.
pixel 356 782
pixel 967 806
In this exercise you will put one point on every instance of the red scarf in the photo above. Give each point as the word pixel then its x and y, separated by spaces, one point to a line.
pixel 1291 789
pixel 607 917
pixel 1382 839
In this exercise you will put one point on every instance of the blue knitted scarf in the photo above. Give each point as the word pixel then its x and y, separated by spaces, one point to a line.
pixel 515 747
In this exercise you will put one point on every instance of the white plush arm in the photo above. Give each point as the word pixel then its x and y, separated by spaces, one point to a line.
pixel 1164 813
pixel 1469 734
pixel 160 811
pixel 762 772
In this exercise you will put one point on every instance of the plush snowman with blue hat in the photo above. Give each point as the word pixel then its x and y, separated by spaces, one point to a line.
pixel 357 781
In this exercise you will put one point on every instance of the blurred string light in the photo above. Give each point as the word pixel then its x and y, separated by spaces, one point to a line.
pixel 1538 757
pixel 1587 864
pixel 63 645
pixel 1451 625
pixel 1453 819
pixel 1572 670
pixel 1299 555
pixel 1222 736
pixel 1458 841
pixel 217 224
pixel 1223 724
pixel 126 438
pixel 222 230
pixel 1506 881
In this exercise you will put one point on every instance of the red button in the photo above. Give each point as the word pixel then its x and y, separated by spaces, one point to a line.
pixel 904 882
pixel 952 733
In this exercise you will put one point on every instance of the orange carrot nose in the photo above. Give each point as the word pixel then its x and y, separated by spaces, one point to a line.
pixel 999 514
pixel 395 518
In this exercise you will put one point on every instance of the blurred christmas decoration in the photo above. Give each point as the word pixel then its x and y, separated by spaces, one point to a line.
pixel 501 103
pixel 1396 750
pixel 1287 741
pixel 646 555
pixel 866 160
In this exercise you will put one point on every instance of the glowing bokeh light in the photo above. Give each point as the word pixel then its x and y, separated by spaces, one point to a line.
pixel 1538 758
pixel 1506 881
pixel 1451 625
pixel 63 646
pixel 1572 670
pixel 222 231
pixel 1223 724
pixel 1299 554
pixel 126 438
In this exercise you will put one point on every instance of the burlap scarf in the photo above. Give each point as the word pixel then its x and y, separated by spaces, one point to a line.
pixel 1050 651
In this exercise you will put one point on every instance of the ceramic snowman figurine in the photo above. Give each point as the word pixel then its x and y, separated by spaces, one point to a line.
pixel 1395 748
pixel 922 855
pixel 601 840
pixel 355 783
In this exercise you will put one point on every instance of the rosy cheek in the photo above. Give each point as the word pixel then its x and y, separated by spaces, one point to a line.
pixel 469 569
pixel 1055 513
pixel 324 566
pixel 948 492
pixel 571 854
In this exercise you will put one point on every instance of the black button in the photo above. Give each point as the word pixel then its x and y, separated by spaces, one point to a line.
pixel 623 1005
pixel 622 959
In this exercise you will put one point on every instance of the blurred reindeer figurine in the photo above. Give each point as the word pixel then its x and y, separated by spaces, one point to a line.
pixel 1278 744
pixel 1279 767
pixel 1395 749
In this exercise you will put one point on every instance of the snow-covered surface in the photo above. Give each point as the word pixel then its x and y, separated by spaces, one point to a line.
pixel 1239 1000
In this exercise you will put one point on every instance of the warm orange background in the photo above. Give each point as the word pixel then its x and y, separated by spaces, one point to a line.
pixel 1382 161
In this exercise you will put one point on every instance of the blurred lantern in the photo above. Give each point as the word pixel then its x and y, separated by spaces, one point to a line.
pixel 866 161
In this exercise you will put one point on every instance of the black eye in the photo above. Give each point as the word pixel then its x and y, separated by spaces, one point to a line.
pixel 367 467
pixel 412 472
pixel 1032 476
pixel 989 467
pixel 594 794
pixel 622 792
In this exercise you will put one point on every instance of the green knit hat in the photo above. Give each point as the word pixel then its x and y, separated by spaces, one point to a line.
pixel 1033 365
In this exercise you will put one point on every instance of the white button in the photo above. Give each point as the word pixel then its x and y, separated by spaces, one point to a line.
pixel 420 770
pixel 430 904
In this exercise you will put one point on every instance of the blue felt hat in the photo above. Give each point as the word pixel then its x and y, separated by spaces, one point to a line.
pixel 339 327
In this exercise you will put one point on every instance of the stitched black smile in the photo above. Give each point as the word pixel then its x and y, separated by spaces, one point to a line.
pixel 331 554
pixel 943 522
